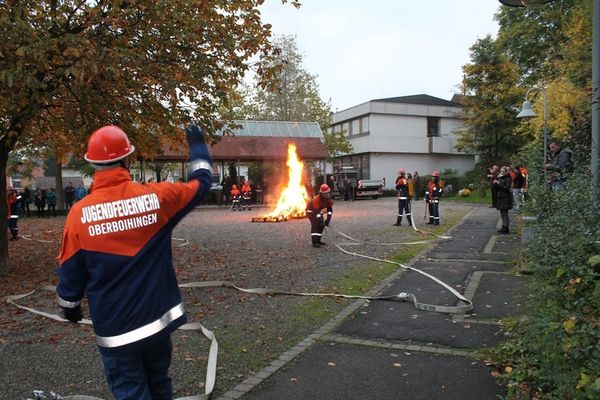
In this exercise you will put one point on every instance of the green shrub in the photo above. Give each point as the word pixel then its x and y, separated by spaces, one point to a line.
pixel 555 352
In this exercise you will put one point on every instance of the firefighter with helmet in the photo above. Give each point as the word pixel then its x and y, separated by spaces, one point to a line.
pixel 116 249
pixel 432 197
pixel 13 201
pixel 403 198
pixel 319 211
pixel 235 198
pixel 246 195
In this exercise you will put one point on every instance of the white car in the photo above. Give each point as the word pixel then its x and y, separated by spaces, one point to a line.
pixel 369 188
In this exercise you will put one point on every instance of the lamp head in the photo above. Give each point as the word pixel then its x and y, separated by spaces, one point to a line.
pixel 526 111
pixel 524 3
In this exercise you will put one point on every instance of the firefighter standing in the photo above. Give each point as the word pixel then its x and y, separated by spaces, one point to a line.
pixel 319 211
pixel 116 249
pixel 235 198
pixel 432 197
pixel 13 200
pixel 403 199
pixel 246 195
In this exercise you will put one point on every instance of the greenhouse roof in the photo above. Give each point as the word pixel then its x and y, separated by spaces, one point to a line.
pixel 274 129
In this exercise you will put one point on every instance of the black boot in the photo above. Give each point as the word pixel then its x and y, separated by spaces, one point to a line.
pixel 398 221
pixel 409 218
pixel 320 241
pixel 504 230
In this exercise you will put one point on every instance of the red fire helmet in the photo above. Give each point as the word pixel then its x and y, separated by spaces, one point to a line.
pixel 435 173
pixel 402 171
pixel 107 145
pixel 324 189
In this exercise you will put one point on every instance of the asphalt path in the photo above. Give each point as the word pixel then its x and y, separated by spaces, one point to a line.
pixel 384 351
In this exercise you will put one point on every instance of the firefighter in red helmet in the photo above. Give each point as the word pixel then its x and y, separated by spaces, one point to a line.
pixel 432 197
pixel 319 211
pixel 246 195
pixel 235 198
pixel 403 198
pixel 13 200
pixel 108 145
pixel 116 250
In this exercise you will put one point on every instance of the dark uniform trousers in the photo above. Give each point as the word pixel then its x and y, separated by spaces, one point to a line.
pixel 434 211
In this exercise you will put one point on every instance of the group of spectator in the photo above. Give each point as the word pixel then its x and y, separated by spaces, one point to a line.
pixel 556 170
pixel 346 189
pixel 20 204
pixel 508 184
pixel 513 193
pixel 45 200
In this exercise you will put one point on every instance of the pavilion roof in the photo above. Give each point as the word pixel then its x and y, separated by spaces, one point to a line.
pixel 254 149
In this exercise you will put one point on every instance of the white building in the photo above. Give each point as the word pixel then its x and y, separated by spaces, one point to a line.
pixel 417 133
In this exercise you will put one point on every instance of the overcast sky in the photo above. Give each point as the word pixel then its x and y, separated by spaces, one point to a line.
pixel 368 49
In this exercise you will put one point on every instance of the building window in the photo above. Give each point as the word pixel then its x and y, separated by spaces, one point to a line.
pixel 356 127
pixel 365 167
pixel 364 122
pixel 433 126
pixel 346 127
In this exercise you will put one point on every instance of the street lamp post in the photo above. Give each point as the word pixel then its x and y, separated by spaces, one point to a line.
pixel 527 112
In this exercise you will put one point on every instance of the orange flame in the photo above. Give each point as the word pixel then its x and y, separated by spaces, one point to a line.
pixel 293 198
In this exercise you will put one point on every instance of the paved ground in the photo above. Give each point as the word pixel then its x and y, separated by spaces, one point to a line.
pixel 369 351
pixel 389 350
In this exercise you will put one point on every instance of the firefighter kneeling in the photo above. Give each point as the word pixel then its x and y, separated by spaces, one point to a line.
pixel 319 211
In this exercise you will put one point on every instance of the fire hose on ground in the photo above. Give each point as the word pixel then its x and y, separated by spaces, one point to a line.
pixel 463 307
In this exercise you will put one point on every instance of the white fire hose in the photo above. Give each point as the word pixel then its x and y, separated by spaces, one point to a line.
pixel 465 306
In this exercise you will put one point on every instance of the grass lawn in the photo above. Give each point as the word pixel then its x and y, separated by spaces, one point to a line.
pixel 474 197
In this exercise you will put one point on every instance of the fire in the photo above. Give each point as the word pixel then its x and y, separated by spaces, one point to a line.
pixel 293 198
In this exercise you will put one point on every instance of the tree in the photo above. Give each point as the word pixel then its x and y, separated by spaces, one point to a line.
pixel 534 38
pixel 292 96
pixel 68 67
pixel 233 177
pixel 490 85
pixel 551 47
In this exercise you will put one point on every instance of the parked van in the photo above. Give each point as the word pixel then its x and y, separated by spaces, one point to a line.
pixel 360 188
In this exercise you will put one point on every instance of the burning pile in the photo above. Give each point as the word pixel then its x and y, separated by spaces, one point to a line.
pixel 293 198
